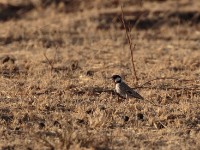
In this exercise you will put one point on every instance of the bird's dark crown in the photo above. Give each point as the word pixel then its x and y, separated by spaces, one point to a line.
pixel 117 78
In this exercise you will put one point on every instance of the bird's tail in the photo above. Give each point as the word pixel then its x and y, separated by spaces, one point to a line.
pixel 137 95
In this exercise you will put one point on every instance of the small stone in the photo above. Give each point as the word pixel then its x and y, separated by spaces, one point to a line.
pixel 41 125
pixel 159 125
pixel 80 121
pixel 90 73
pixel 7 58
pixel 171 116
pixel 102 107
pixel 17 128
pixel 57 124
pixel 125 118
pixel 89 111
pixel 140 116
pixel 7 118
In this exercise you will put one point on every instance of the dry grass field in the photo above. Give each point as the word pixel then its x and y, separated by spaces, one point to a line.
pixel 56 62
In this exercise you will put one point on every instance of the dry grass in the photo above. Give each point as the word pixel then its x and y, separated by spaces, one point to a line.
pixel 56 64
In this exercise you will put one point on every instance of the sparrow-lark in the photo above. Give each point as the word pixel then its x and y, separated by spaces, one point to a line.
pixel 123 89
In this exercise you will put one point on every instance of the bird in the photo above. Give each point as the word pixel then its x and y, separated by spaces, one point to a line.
pixel 123 90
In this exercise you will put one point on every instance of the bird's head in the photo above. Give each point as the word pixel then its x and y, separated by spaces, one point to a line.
pixel 117 78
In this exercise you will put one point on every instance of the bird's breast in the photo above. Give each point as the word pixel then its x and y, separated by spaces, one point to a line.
pixel 117 88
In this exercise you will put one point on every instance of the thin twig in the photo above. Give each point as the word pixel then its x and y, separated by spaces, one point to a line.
pixel 131 46
pixel 168 88
pixel 167 78
pixel 153 103
pixel 45 142
pixel 49 62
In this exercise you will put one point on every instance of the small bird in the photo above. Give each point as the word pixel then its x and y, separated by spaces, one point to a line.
pixel 123 89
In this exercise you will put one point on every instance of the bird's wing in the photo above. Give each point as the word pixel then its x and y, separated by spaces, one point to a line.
pixel 135 94
pixel 131 92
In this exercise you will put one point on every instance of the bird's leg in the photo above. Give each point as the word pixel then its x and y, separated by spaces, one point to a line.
pixel 127 97
pixel 118 97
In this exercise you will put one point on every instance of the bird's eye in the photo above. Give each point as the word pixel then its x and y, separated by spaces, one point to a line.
pixel 117 79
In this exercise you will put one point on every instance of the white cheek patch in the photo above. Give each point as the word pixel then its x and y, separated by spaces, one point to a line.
pixel 118 79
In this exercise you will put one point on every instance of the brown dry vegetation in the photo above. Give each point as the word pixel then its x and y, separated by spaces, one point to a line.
pixel 57 58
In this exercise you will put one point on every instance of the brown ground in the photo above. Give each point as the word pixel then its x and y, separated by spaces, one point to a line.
pixel 56 64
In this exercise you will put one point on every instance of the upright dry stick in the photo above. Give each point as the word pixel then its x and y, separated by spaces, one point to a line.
pixel 131 46
pixel 49 62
